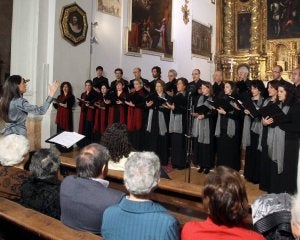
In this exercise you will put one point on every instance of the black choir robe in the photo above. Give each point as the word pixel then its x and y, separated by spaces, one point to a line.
pixel 87 116
pixel 228 148
pixel 136 118
pixel 117 113
pixel 178 140
pixel 154 140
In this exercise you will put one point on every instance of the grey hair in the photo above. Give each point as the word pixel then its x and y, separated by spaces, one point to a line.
pixel 44 163
pixel 173 71
pixel 13 148
pixel 142 173
pixel 244 69
pixel 90 161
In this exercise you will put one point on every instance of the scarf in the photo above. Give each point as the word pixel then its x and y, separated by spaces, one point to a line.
pixel 161 122
pixel 201 128
pixel 255 126
pixel 259 147
pixel 230 126
pixel 276 143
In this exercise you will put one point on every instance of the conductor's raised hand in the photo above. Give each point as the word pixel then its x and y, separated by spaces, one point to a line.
pixel 53 88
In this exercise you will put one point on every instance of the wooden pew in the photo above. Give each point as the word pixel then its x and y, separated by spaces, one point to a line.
pixel 37 225
pixel 181 199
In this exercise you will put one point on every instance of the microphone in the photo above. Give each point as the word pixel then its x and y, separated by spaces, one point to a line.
pixel 191 89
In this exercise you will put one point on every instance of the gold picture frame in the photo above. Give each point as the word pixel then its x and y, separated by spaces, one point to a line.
pixel 73 23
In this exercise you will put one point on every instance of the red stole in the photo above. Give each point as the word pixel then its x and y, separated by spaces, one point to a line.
pixel 100 118
pixel 86 114
pixel 63 115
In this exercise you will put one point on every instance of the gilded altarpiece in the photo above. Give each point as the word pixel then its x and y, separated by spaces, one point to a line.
pixel 242 37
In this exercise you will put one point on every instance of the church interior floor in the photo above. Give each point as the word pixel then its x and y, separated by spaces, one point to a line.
pixel 196 178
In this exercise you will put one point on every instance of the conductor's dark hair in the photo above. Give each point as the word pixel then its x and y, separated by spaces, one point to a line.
pixel 99 68
pixel 115 138
pixel 225 197
pixel 91 159
pixel 10 90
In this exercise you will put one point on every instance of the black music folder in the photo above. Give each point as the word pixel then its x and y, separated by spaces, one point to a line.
pixel 202 109
pixel 65 139
pixel 273 111
pixel 221 103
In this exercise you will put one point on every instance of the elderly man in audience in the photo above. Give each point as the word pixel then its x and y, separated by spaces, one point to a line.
pixel 13 155
pixel 225 199
pixel 83 198
pixel 41 191
pixel 136 216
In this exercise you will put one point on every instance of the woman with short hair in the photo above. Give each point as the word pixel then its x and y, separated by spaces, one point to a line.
pixel 225 201
pixel 136 216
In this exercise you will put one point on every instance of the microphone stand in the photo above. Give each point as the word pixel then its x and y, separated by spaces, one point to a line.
pixel 188 137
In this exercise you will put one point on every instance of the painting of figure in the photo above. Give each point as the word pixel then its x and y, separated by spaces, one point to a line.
pixel 151 22
pixel 201 39
pixel 73 24
pixel 112 7
pixel 283 19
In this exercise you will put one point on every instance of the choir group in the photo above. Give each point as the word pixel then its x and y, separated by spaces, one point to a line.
pixel 223 118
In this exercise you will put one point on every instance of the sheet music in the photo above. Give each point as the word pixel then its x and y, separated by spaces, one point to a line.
pixel 66 139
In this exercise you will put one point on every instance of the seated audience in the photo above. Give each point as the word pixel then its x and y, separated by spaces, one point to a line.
pixel 83 198
pixel 136 216
pixel 41 191
pixel 13 155
pixel 226 203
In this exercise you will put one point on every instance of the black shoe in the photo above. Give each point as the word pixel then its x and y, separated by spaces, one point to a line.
pixel 200 170
pixel 206 171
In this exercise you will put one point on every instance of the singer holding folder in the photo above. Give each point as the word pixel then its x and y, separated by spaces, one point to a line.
pixel 228 131
pixel 283 143
pixel 14 108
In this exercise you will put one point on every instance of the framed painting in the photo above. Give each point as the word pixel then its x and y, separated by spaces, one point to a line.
pixel 283 19
pixel 201 39
pixel 112 7
pixel 243 31
pixel 149 32
pixel 73 24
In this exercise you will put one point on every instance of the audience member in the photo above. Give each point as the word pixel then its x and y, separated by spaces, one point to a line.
pixel 83 198
pixel 226 203
pixel 136 216
pixel 14 152
pixel 41 191
pixel 271 215
pixel 115 138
